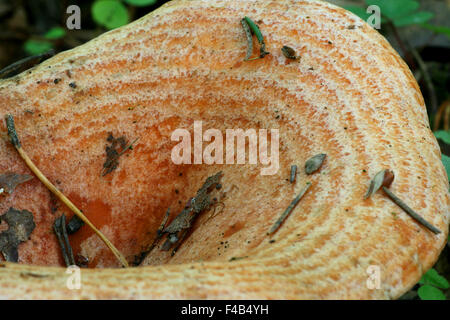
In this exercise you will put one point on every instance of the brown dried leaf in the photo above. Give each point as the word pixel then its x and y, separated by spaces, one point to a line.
pixel 195 206
pixel 116 148
pixel 9 181
pixel 21 225
pixel 382 178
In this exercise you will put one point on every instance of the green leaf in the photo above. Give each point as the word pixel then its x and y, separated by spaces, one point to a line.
pixel 110 13
pixel 34 47
pixel 141 3
pixel 432 277
pixel 427 292
pixel 360 12
pixel 415 18
pixel 55 33
pixel 443 135
pixel 394 9
pixel 437 29
pixel 446 162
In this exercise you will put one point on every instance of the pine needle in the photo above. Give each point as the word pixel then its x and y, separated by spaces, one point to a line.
pixel 16 142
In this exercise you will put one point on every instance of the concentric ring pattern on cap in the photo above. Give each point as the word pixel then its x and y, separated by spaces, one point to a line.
pixel 349 95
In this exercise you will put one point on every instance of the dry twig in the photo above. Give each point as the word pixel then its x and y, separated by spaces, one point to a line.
pixel 16 142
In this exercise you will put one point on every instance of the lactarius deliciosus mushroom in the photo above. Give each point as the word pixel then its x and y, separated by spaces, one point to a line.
pixel 347 94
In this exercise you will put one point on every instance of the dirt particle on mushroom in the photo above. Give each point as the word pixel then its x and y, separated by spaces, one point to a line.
pixel 116 148
pixel 289 53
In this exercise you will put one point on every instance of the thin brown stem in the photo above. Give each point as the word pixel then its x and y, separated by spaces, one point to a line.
pixel 16 142
pixel 410 211
pixel 289 209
